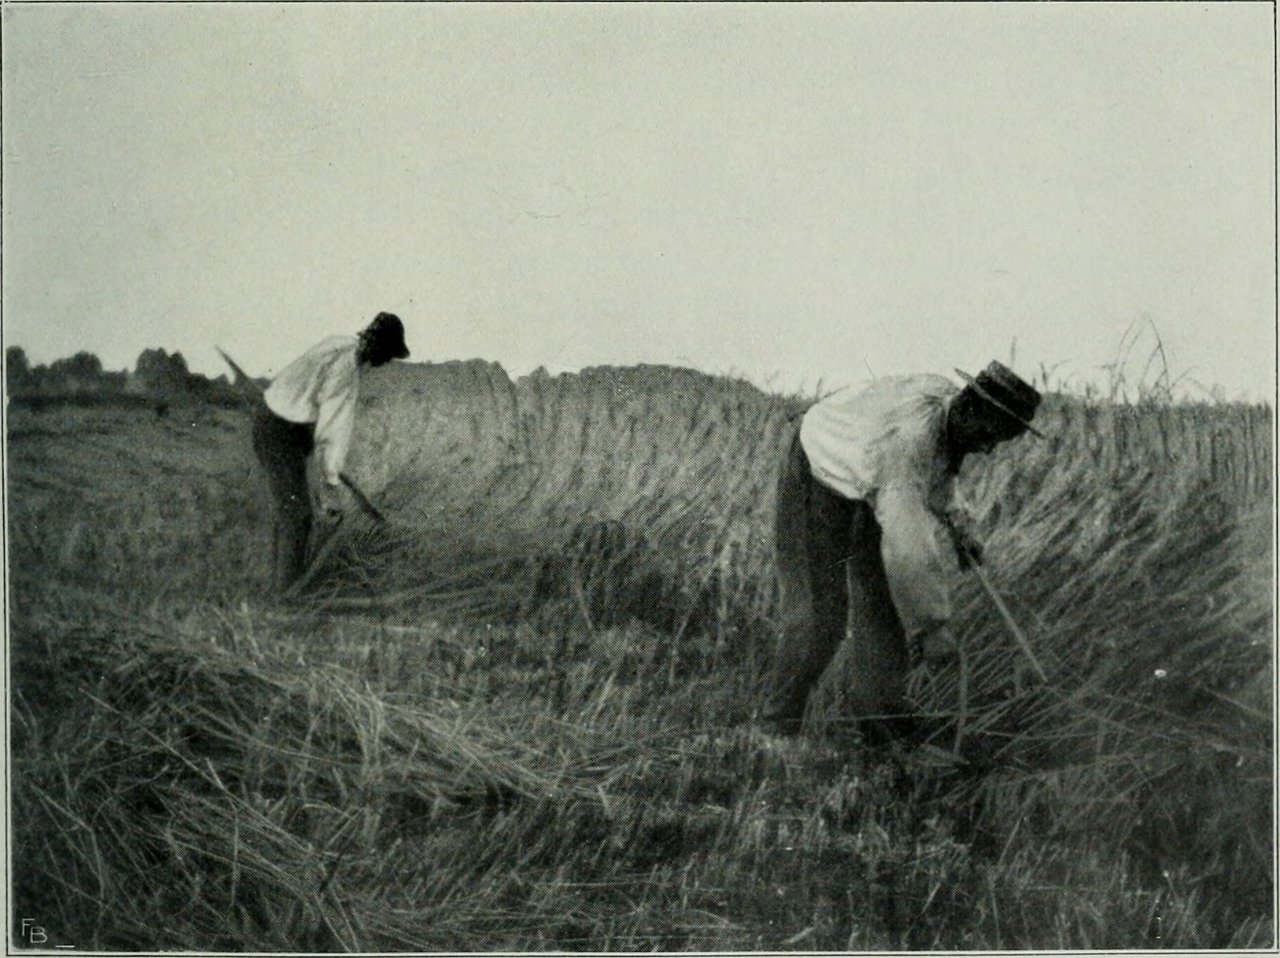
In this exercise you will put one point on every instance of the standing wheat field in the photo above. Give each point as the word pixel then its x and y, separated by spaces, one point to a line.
pixel 519 716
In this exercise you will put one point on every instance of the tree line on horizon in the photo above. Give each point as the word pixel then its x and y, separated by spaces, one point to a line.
pixel 157 375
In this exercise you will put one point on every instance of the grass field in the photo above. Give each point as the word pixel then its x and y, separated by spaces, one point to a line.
pixel 520 718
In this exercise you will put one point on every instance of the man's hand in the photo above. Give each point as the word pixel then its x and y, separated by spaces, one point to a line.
pixel 334 499
pixel 939 647
pixel 968 548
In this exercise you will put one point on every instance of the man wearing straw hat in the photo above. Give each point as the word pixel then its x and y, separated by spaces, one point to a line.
pixel 867 483
pixel 311 407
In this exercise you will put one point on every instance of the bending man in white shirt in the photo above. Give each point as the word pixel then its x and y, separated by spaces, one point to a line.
pixel 311 406
pixel 869 479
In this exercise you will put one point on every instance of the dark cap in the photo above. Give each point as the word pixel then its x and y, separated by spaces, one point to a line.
pixel 1001 387
pixel 387 332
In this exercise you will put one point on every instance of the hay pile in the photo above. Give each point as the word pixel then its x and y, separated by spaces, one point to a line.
pixel 1154 733
pixel 168 792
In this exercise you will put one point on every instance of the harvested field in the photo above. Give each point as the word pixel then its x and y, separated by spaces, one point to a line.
pixel 519 718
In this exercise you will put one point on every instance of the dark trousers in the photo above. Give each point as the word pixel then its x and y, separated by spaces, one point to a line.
pixel 833 579
pixel 282 447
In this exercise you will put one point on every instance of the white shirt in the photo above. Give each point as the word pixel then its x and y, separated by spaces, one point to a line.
pixel 321 386
pixel 885 444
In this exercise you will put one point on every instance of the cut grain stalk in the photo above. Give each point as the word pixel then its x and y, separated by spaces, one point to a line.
pixel 1017 632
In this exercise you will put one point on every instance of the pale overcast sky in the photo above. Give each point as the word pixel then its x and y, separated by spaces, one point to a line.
pixel 794 193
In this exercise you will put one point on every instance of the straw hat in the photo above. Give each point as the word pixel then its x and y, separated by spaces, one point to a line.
pixel 1001 387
